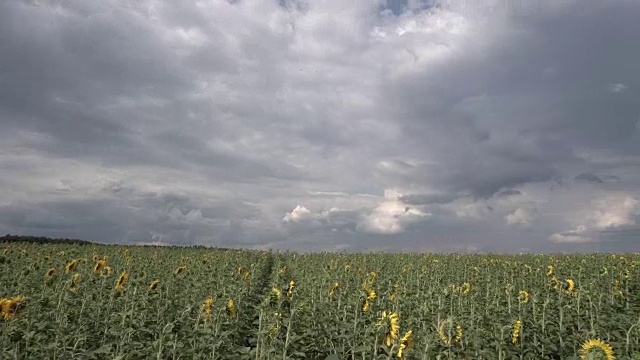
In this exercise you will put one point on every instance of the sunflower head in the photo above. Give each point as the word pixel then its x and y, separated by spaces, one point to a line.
pixel 10 306
pixel 334 288
pixel 231 308
pixel 121 281
pixel 591 347
pixel 292 285
pixel 391 322
pixel 207 307
pixel 71 266
pixel 50 273
pixel 523 296
pixel 75 282
pixel 466 287
pixel 569 286
pixel 154 284
pixel 515 334
pixel 550 270
pixel 180 270
pixel 449 332
pixel 99 266
pixel 405 343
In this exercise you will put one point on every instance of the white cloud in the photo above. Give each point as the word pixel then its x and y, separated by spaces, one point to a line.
pixel 299 213
pixel 610 212
pixel 578 235
pixel 616 211
pixel 521 217
pixel 392 216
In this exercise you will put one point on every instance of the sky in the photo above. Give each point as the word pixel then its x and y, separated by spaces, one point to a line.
pixel 326 125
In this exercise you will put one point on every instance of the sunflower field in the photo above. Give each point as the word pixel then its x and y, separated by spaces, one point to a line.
pixel 65 301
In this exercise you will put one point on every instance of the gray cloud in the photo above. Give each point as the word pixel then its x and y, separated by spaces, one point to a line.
pixel 588 177
pixel 443 125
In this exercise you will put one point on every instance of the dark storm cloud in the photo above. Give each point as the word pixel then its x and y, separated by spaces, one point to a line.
pixel 440 125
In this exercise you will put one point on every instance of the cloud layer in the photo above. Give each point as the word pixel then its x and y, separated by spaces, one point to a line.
pixel 443 125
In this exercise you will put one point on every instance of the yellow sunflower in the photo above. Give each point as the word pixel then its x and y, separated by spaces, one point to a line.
pixel 122 279
pixel 50 273
pixel 75 282
pixel 71 265
pixel 154 284
pixel 449 333
pixel 292 285
pixel 371 295
pixel 550 270
pixel 523 296
pixel 231 308
pixel 569 286
pixel 392 322
pixel 516 331
pixel 100 264
pixel 10 306
pixel 405 342
pixel 207 307
pixel 180 270
pixel 466 287
pixel 596 345
pixel 334 288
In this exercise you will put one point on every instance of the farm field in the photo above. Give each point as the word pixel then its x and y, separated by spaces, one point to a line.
pixel 63 301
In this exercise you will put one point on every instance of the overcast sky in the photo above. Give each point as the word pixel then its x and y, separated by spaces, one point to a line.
pixel 414 125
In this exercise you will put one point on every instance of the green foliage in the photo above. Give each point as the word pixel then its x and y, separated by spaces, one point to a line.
pixel 312 306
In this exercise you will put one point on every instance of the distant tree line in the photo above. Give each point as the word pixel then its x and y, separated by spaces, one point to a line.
pixel 41 240
pixel 47 240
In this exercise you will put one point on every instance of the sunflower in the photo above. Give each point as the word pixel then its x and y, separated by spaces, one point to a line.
pixel 465 288
pixel 6 251
pixel 523 296
pixel 231 308
pixel 180 270
pixel 107 270
pixel 555 283
pixel 47 258
pixel 371 295
pixel 596 344
pixel 122 279
pixel 334 288
pixel 550 270
pixel 75 281
pixel 10 306
pixel 207 307
pixel 347 268
pixel 95 257
pixel 292 285
pixel 247 277
pixel 71 265
pixel 569 287
pixel 100 264
pixel 392 322
pixel 449 334
pixel 50 273
pixel 282 271
pixel 516 331
pixel 405 342
pixel 154 284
